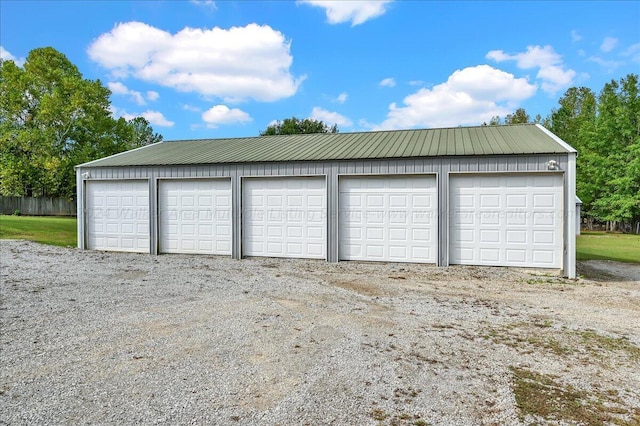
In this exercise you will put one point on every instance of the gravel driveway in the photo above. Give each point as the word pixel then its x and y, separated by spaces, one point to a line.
pixel 113 338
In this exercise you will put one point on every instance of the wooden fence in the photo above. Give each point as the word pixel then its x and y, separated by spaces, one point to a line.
pixel 40 206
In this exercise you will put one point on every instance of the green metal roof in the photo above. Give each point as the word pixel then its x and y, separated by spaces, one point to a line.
pixel 458 141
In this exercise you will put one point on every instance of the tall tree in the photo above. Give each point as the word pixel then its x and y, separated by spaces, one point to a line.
pixel 520 116
pixel 293 126
pixel 577 107
pixel 606 132
pixel 616 142
pixel 574 122
pixel 51 119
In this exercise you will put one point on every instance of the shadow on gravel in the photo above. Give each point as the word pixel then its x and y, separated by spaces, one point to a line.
pixel 609 271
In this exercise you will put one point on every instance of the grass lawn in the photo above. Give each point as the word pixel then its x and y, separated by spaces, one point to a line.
pixel 608 246
pixel 62 231
pixel 57 231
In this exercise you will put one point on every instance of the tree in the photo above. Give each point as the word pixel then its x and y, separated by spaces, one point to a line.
pixel 615 153
pixel 577 107
pixel 574 122
pixel 520 116
pixel 52 119
pixel 294 126
pixel 606 132
pixel 138 132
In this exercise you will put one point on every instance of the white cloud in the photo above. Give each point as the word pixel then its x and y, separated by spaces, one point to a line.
pixel 387 82
pixel 5 55
pixel 233 64
pixel 209 4
pixel 633 52
pixel 551 71
pixel 357 12
pixel 535 56
pixel 118 88
pixel 610 65
pixel 555 78
pixel 154 117
pixel 153 95
pixel 575 36
pixel 608 44
pixel 468 97
pixel 416 83
pixel 342 98
pixel 191 108
pixel 330 118
pixel 222 114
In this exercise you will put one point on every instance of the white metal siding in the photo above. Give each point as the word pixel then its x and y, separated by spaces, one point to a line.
pixel 442 166
pixel 117 215
pixel 285 217
pixel 388 218
pixel 506 220
pixel 195 216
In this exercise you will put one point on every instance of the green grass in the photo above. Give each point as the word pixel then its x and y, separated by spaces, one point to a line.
pixel 62 231
pixel 57 231
pixel 608 246
pixel 545 398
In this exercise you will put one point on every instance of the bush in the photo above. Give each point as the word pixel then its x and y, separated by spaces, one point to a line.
pixel 17 212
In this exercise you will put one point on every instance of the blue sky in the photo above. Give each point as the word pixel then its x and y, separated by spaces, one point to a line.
pixel 204 69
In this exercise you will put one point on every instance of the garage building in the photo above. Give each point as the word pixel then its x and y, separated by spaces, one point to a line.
pixel 488 195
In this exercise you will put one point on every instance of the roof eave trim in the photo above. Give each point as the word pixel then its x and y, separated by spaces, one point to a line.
pixel 562 143
pixel 316 160
pixel 99 160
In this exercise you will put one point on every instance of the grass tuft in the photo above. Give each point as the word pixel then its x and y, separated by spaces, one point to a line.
pixel 599 344
pixel 541 396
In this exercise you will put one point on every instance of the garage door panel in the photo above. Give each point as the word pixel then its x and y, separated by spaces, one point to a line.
pixel 421 235
pixel 491 218
pixel 387 218
pixel 117 215
pixel 421 201
pixel 512 220
pixel 543 256
pixel 546 220
pixel 422 253
pixel 488 236
pixel 516 200
pixel 316 249
pixel 516 256
pixel 544 201
pixel 284 217
pixel 195 216
pixel 516 237
pixel 517 219
pixel 490 255
pixel 223 246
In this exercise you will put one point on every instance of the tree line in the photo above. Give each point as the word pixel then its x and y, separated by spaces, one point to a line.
pixel 605 129
pixel 52 119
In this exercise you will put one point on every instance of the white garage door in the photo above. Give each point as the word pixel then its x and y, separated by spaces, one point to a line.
pixel 117 215
pixel 195 216
pixel 285 217
pixel 388 218
pixel 506 220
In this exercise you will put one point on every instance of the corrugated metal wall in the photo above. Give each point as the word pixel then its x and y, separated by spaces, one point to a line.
pixel 440 166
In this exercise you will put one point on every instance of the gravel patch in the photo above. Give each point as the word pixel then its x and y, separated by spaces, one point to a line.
pixel 114 338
